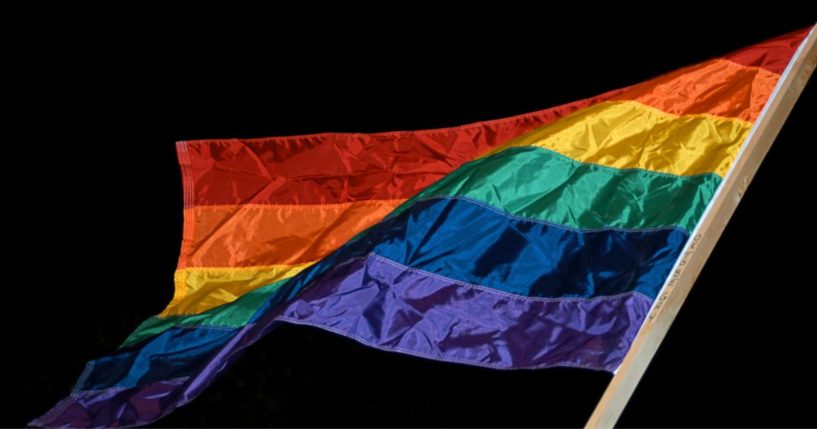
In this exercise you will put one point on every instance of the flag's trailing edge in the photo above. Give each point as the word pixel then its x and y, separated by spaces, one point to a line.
pixel 528 242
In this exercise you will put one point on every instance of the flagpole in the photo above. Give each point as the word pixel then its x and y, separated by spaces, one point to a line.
pixel 706 234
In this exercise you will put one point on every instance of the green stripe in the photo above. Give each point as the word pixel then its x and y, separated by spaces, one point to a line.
pixel 537 183
pixel 231 315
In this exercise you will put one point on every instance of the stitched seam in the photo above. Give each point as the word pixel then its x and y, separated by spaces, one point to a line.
pixel 657 111
pixel 526 148
pixel 502 292
pixel 252 267
pixel 551 224
pixel 343 205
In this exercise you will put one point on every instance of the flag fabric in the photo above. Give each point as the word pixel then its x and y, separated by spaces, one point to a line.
pixel 533 241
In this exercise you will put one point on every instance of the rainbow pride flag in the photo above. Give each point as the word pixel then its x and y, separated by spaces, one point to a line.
pixel 533 241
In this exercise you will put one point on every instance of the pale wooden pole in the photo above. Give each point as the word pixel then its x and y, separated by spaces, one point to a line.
pixel 705 235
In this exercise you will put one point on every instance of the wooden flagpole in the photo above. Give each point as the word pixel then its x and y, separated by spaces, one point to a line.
pixel 705 235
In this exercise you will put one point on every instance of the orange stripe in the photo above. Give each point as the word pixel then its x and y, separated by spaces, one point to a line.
pixel 251 235
pixel 717 87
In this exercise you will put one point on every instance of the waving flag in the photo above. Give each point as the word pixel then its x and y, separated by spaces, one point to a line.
pixel 529 242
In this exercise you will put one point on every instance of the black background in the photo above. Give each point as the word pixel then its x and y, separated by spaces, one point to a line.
pixel 94 207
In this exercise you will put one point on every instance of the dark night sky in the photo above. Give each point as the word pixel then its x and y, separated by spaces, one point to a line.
pixel 96 224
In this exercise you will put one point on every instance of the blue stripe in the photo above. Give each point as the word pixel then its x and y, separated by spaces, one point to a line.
pixel 177 352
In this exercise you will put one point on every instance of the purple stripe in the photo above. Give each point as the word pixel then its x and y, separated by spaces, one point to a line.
pixel 389 306
pixel 392 307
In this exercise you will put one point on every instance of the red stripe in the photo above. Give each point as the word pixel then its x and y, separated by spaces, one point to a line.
pixel 773 54
pixel 338 168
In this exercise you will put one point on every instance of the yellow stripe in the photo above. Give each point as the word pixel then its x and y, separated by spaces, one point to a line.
pixel 628 134
pixel 200 289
